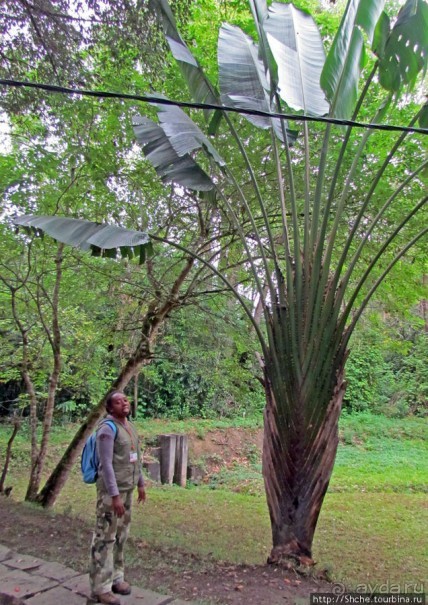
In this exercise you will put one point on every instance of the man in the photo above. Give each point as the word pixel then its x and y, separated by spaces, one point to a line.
pixel 119 472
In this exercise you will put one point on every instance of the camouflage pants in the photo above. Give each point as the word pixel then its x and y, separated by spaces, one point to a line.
pixel 111 532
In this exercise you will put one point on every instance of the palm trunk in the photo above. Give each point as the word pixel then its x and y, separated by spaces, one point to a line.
pixel 297 466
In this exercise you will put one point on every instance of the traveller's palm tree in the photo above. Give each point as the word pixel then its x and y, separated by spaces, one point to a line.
pixel 315 243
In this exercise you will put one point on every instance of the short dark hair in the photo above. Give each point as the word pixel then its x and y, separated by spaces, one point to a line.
pixel 109 398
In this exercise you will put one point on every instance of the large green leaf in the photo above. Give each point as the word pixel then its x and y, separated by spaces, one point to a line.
pixel 381 34
pixel 404 53
pixel 296 44
pixel 242 78
pixel 169 166
pixel 200 87
pixel 259 10
pixel 342 69
pixel 423 118
pixel 183 134
pixel 101 239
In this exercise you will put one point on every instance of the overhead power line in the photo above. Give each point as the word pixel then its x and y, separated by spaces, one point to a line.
pixel 162 101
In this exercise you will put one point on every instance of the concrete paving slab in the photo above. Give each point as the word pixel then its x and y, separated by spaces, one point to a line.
pixel 4 570
pixel 23 562
pixel 79 584
pixel 142 596
pixel 38 582
pixel 57 596
pixel 20 584
pixel 6 599
pixel 55 571
pixel 5 553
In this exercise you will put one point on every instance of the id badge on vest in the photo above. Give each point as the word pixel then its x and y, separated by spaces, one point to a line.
pixel 133 457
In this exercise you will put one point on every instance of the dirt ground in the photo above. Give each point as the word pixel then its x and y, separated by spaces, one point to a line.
pixel 171 571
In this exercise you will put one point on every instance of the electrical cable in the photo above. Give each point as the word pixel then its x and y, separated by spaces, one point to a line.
pixel 163 101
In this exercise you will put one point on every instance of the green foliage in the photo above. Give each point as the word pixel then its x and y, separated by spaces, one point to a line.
pixel 366 374
pixel 202 368
pixel 411 376
pixel 386 370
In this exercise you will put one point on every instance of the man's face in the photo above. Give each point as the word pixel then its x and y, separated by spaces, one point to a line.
pixel 119 405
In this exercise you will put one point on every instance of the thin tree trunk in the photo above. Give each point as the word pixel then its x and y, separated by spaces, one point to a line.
pixel 54 337
pixel 297 472
pixel 16 426
pixel 142 355
pixel 134 404
pixel 25 373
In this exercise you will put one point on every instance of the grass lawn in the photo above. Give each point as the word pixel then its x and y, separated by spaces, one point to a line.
pixel 372 526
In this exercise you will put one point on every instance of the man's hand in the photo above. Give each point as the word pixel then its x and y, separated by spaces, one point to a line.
pixel 118 508
pixel 141 495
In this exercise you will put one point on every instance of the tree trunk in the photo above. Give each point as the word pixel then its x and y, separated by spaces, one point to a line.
pixel 53 333
pixel 297 466
pixel 16 427
pixel 25 373
pixel 153 320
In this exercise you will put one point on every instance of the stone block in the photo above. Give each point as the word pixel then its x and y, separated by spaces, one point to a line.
pixel 20 584
pixel 23 562
pixel 195 473
pixel 79 584
pixel 181 456
pixel 153 470
pixel 141 596
pixel 167 457
pixel 5 553
pixel 55 571
pixel 57 596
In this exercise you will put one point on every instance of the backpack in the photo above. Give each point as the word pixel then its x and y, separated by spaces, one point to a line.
pixel 89 462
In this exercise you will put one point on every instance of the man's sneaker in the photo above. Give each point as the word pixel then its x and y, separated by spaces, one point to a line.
pixel 107 598
pixel 121 588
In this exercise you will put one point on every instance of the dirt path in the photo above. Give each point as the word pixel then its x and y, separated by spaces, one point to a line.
pixel 57 537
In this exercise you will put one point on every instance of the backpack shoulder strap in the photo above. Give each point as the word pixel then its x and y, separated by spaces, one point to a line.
pixel 111 424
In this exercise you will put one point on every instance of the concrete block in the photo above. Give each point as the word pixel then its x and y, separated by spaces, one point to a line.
pixel 20 584
pixel 141 596
pixel 167 457
pixel 153 470
pixel 55 571
pixel 195 473
pixel 57 596
pixel 79 584
pixel 181 455
pixel 5 553
pixel 23 562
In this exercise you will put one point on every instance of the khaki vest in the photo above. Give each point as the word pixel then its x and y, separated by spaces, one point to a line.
pixel 126 472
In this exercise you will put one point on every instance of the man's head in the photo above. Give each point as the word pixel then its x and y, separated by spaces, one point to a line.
pixel 117 403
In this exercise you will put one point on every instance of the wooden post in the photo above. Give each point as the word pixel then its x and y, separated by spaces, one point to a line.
pixel 181 454
pixel 168 446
